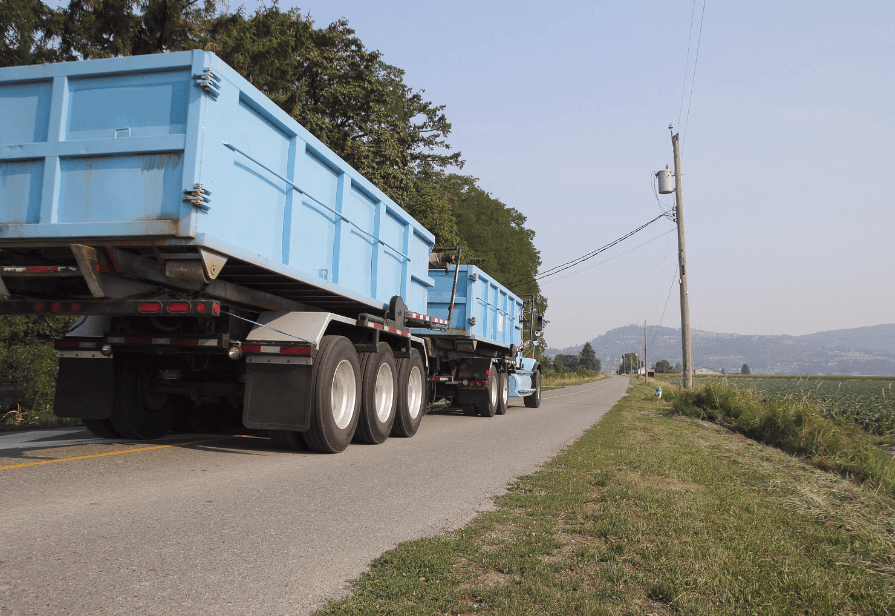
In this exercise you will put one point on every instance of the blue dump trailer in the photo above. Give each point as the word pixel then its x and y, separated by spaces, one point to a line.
pixel 224 263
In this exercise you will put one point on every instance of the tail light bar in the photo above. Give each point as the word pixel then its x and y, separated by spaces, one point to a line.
pixel 116 307
pixel 276 349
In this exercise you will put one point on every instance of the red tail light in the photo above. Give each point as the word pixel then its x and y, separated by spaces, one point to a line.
pixel 200 308
pixel 295 350
pixel 38 306
pixel 56 307
pixel 150 307
pixel 178 307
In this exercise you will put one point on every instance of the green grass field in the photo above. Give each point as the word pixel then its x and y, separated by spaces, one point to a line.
pixel 867 401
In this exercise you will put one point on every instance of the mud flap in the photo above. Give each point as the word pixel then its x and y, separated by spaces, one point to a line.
pixel 85 388
pixel 277 397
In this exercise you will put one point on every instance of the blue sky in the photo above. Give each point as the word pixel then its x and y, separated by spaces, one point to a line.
pixel 561 110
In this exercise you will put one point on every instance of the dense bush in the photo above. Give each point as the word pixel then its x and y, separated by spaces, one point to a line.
pixel 27 358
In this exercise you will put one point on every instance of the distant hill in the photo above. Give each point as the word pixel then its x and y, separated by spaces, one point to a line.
pixel 863 350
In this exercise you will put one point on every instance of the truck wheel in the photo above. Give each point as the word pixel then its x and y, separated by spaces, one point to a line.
pixel 488 408
pixel 503 392
pixel 411 398
pixel 139 413
pixel 100 427
pixel 335 398
pixel 288 439
pixel 533 400
pixel 378 399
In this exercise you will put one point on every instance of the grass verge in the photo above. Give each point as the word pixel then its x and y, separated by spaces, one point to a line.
pixel 795 425
pixel 27 419
pixel 556 381
pixel 653 513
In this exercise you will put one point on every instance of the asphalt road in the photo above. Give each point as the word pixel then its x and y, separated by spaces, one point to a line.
pixel 204 524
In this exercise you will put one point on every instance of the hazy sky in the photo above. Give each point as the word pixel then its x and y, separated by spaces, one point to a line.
pixel 561 110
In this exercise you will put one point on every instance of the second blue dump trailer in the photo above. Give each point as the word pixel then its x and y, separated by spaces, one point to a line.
pixel 218 256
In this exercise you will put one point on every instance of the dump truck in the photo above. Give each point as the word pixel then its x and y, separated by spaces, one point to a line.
pixel 219 256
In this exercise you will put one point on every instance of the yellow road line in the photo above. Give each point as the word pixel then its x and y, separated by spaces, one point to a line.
pixel 574 393
pixel 114 453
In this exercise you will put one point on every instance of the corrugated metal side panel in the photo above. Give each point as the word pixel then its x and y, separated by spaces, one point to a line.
pixel 278 189
pixel 107 148
pixel 96 149
pixel 496 310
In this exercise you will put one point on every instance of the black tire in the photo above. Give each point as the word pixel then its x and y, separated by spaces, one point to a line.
pixel 411 398
pixel 335 380
pixel 488 408
pixel 100 427
pixel 503 392
pixel 470 409
pixel 288 439
pixel 378 396
pixel 533 400
pixel 137 413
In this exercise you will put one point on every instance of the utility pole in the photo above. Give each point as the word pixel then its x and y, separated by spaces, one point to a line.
pixel 645 355
pixel 682 262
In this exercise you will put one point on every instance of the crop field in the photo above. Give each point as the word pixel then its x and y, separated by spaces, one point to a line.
pixel 867 401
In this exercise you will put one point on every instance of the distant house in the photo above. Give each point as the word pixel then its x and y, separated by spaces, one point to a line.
pixel 704 371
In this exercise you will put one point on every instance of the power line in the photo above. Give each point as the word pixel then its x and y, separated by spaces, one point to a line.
pixel 583 258
pixel 686 63
pixel 670 289
pixel 695 62
pixel 584 269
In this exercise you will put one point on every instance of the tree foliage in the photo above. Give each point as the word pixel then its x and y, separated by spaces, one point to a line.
pixel 663 366
pixel 745 369
pixel 589 358
pixel 630 364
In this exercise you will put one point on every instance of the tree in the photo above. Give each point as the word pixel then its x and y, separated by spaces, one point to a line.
pixel 588 357
pixel 570 362
pixel 663 366
pixel 28 31
pixel 630 364
pixel 678 368
pixel 745 369
pixel 558 366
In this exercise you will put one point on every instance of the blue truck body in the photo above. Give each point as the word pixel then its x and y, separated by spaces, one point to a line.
pixel 219 254
pixel 180 149
pixel 484 309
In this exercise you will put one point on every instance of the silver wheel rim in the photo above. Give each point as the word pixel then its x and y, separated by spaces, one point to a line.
pixel 492 389
pixel 384 392
pixel 343 394
pixel 414 392
pixel 505 391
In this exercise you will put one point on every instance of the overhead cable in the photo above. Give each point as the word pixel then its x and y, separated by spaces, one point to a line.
pixel 569 264
pixel 584 269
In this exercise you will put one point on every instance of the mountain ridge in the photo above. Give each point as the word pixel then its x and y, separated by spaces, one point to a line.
pixel 861 350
